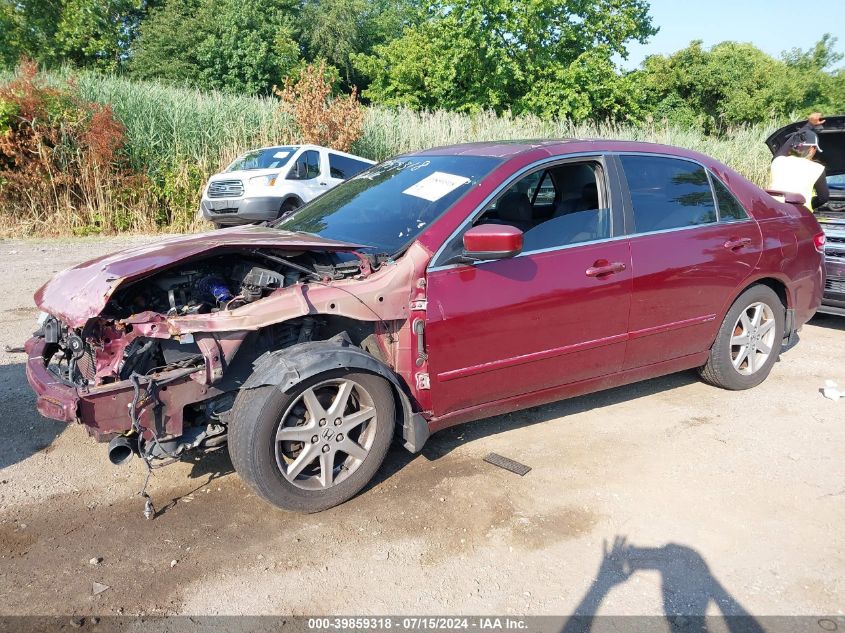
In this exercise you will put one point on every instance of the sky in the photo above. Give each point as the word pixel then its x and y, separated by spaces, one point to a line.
pixel 771 25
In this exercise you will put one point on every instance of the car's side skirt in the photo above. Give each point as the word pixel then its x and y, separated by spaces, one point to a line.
pixel 570 390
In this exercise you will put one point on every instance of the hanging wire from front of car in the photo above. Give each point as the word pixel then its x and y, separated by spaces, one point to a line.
pixel 136 406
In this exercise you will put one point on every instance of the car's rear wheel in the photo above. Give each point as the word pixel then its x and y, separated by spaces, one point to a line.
pixel 748 342
pixel 316 445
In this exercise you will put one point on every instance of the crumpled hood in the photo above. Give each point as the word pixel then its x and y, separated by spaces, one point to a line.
pixel 81 292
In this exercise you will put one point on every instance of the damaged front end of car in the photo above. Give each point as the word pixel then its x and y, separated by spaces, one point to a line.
pixel 148 349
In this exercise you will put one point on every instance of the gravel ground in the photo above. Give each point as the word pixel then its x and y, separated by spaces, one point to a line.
pixel 718 502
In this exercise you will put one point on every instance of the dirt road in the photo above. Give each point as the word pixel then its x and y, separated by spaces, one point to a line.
pixel 728 501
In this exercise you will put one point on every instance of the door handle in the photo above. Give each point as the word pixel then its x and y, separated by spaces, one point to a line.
pixel 736 244
pixel 603 269
pixel 323 184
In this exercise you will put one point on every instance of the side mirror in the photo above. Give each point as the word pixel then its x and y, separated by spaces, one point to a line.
pixel 492 241
pixel 788 196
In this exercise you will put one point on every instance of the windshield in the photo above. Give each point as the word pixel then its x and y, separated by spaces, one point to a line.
pixel 387 206
pixel 269 158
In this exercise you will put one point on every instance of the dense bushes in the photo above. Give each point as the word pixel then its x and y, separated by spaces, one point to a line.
pixel 163 142
pixel 62 166
pixel 318 116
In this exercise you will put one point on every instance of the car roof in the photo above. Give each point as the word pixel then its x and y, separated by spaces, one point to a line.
pixel 297 147
pixel 507 149
pixel 258 149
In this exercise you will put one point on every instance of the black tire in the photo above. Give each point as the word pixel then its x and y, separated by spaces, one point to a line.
pixel 256 417
pixel 720 369
pixel 288 207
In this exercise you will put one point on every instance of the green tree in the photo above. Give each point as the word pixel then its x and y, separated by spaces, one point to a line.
pixel 28 27
pixel 734 83
pixel 166 46
pixel 86 33
pixel 337 30
pixel 474 54
pixel 819 85
pixel 97 33
pixel 237 45
pixel 591 87
pixel 333 31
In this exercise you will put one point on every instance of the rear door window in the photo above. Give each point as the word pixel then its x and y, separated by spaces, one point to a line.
pixel 730 208
pixel 345 167
pixel 668 193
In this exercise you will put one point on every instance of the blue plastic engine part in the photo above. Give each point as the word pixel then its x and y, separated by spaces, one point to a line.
pixel 213 288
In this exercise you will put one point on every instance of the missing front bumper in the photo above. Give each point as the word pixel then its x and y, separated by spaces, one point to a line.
pixel 104 410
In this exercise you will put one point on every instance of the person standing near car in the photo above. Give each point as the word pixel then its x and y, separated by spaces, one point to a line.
pixel 814 124
pixel 793 168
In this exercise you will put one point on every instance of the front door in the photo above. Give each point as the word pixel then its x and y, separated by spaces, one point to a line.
pixel 306 174
pixel 556 314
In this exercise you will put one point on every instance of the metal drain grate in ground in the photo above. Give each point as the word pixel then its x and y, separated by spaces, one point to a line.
pixel 507 464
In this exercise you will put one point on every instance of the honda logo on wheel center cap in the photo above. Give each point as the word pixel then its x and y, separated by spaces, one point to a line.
pixel 328 434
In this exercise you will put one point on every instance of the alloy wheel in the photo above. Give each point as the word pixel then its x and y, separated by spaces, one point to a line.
pixel 752 339
pixel 325 434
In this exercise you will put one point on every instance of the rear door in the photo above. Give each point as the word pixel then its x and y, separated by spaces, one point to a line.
pixel 692 247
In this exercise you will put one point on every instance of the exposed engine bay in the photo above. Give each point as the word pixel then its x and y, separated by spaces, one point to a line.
pixel 224 283
pixel 206 286
pixel 151 350
pixel 113 350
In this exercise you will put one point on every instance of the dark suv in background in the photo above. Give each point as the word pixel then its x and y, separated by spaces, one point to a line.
pixel 831 216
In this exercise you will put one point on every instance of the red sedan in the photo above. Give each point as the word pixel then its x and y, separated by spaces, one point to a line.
pixel 432 289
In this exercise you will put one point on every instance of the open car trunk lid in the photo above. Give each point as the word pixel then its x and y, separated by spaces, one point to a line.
pixel 831 140
pixel 80 293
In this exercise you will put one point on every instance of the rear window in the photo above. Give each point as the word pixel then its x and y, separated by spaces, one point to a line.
pixel 345 167
pixel 668 193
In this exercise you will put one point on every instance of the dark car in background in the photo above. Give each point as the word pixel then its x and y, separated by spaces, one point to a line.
pixel 831 216
pixel 432 289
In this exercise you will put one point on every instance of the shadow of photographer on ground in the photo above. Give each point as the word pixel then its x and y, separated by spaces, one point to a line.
pixel 687 587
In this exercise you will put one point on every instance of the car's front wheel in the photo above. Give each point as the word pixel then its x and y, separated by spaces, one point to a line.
pixel 748 342
pixel 316 445
pixel 288 207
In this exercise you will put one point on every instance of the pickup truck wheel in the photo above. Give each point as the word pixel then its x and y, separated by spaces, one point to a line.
pixel 748 342
pixel 316 445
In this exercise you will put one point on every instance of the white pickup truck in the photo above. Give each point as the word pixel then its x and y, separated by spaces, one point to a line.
pixel 270 182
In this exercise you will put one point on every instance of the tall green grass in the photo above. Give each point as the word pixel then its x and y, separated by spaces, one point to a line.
pixel 168 125
pixel 178 136
pixel 388 132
